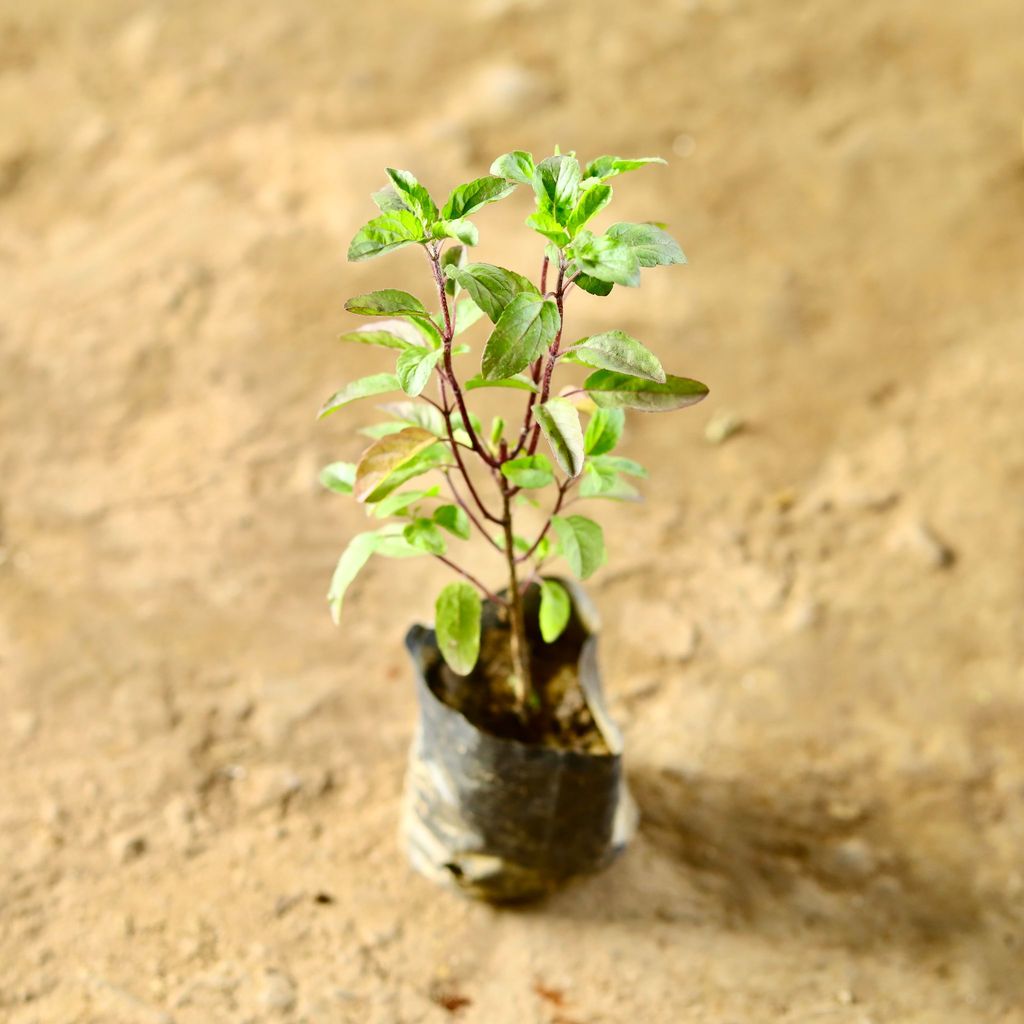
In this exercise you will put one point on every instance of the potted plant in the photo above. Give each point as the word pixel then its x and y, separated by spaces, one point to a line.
pixel 515 780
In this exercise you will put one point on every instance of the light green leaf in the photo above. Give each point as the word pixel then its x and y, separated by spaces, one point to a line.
pixel 384 457
pixel 591 202
pixel 581 542
pixel 519 381
pixel 493 288
pixel 621 391
pixel 601 481
pixel 603 431
pixel 605 167
pixel 451 259
pixel 475 195
pixel 394 545
pixel 555 610
pixel 464 230
pixel 419 414
pixel 427 460
pixel 338 477
pixel 365 387
pixel 616 350
pixel 560 422
pixel 529 471
pixel 453 519
pixel 385 337
pixel 525 329
pixel 399 501
pixel 376 430
pixel 353 558
pixel 516 166
pixel 414 367
pixel 557 182
pixel 387 302
pixel 414 195
pixel 544 223
pixel 606 258
pixel 654 247
pixel 424 534
pixel 457 620
pixel 388 200
pixel 467 312
pixel 384 233
pixel 497 431
pixel 618 462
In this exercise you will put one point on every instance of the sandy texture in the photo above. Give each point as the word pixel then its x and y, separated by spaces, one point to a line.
pixel 814 630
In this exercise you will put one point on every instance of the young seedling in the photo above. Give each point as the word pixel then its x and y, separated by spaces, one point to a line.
pixel 439 435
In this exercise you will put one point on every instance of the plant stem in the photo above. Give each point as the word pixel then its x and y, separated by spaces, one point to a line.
pixel 549 367
pixel 472 579
pixel 520 650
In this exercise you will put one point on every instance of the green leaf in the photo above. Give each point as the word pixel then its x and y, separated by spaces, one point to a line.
pixel 525 329
pixel 393 545
pixel 384 233
pixel 544 223
pixel 384 457
pixel 555 610
pixel 365 387
pixel 376 430
pixel 387 302
pixel 556 181
pixel 424 534
pixel 529 471
pixel 516 166
pixel 605 167
pixel 457 620
pixel 606 258
pixel 581 542
pixel 591 202
pixel 419 414
pixel 475 195
pixel 654 247
pixel 467 312
pixel 464 230
pixel 414 195
pixel 388 200
pixel 590 284
pixel 399 501
pixel 453 519
pixel 398 334
pixel 616 350
pixel 621 391
pixel 497 430
pixel 560 422
pixel 414 367
pixel 426 461
pixel 493 288
pixel 618 463
pixel 338 477
pixel 451 259
pixel 519 381
pixel 603 431
pixel 602 481
pixel 352 560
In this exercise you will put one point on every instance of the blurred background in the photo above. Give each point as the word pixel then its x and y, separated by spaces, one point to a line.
pixel 813 627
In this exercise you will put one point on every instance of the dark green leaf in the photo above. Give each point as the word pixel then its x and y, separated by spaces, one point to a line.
pixel 591 202
pixel 616 350
pixel 475 195
pixel 388 200
pixel 516 166
pixel 414 195
pixel 590 284
pixel 384 233
pixel 621 391
pixel 384 457
pixel 424 534
pixel 604 431
pixel 520 381
pixel 454 520
pixel 414 367
pixel 365 387
pixel 457 620
pixel 560 422
pixel 555 609
pixel 654 247
pixel 493 288
pixel 606 258
pixel 529 471
pixel 581 542
pixel 338 477
pixel 605 167
pixel 387 302
pixel 525 329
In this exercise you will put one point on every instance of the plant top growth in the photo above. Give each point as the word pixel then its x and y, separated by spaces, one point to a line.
pixel 467 478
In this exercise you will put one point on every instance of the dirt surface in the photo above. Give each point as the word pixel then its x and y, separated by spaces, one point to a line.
pixel 814 631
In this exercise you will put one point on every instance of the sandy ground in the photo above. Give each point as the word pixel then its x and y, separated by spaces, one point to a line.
pixel 814 631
